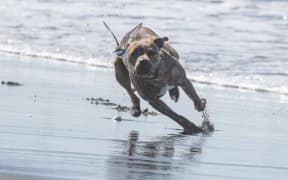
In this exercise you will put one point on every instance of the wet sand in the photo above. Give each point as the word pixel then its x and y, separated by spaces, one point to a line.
pixel 48 130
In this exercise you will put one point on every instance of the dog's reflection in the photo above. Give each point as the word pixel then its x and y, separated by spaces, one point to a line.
pixel 163 146
pixel 154 159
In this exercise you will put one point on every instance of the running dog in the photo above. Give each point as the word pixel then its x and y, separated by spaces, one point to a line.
pixel 150 65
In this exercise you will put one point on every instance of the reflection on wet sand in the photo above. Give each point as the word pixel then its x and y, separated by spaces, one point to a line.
pixel 159 158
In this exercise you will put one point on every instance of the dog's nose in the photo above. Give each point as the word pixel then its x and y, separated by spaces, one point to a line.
pixel 145 63
pixel 144 66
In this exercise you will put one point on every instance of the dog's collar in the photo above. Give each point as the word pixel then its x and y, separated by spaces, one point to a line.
pixel 122 53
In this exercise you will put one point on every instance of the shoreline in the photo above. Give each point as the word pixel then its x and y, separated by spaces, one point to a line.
pixel 73 61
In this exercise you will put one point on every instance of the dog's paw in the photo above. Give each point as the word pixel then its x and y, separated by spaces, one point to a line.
pixel 135 111
pixel 207 126
pixel 200 106
pixel 174 94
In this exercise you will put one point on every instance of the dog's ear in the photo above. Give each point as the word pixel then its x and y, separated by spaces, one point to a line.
pixel 160 41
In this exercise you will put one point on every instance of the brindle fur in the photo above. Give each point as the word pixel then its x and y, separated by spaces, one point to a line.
pixel 168 70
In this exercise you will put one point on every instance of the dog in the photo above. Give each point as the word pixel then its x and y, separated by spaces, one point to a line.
pixel 151 67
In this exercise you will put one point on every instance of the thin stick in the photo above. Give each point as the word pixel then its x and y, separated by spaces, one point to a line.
pixel 116 40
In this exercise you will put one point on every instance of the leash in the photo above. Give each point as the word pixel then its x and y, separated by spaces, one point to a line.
pixel 119 51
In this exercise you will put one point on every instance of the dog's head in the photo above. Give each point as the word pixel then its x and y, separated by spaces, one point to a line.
pixel 144 57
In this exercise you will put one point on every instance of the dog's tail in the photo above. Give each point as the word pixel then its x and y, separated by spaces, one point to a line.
pixel 126 37
pixel 130 33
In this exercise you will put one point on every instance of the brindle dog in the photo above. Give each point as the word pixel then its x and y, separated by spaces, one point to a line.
pixel 152 67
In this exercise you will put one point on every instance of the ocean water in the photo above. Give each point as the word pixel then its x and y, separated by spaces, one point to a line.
pixel 231 43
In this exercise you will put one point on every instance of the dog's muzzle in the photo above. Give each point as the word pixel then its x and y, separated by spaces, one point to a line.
pixel 144 67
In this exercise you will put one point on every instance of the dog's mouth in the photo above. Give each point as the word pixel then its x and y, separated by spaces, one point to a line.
pixel 145 76
pixel 148 74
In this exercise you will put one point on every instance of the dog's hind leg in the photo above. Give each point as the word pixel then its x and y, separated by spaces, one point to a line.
pixel 122 76
pixel 174 94
pixel 189 127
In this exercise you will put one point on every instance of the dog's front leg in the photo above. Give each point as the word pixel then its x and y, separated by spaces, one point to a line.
pixel 191 92
pixel 189 127
pixel 122 76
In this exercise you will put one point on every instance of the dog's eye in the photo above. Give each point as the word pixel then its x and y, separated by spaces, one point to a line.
pixel 138 52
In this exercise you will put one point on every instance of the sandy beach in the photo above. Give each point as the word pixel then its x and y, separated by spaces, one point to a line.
pixel 49 130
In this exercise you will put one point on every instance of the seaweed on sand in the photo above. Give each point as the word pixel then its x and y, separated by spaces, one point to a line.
pixel 118 107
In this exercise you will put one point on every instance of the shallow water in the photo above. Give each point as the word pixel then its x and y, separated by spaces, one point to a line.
pixel 235 43
pixel 48 130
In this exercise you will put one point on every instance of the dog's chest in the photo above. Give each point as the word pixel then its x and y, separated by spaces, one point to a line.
pixel 165 88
